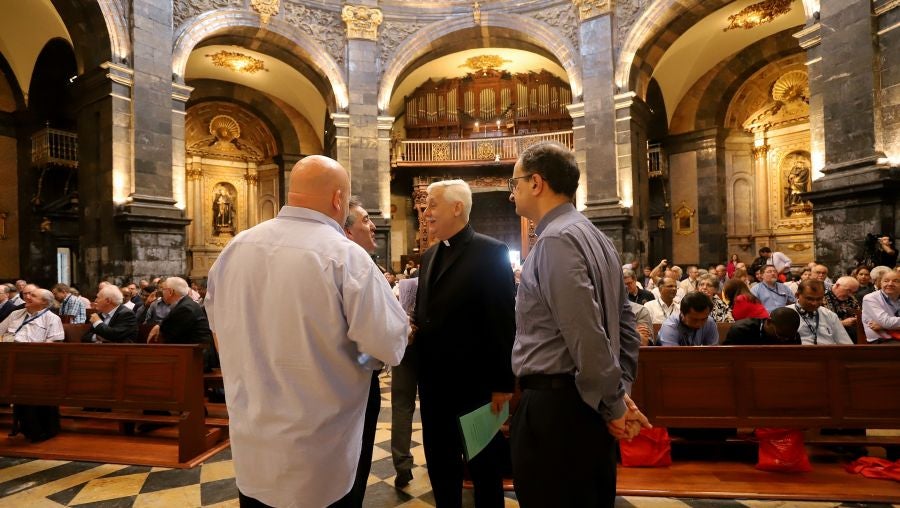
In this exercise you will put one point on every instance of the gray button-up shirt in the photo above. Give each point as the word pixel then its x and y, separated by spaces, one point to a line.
pixel 572 314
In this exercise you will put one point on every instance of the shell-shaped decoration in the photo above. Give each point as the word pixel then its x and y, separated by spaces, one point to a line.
pixel 791 86
pixel 224 128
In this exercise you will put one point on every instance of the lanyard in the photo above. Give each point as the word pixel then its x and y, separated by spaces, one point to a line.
pixel 662 306
pixel 890 304
pixel 773 290
pixel 32 318
pixel 815 331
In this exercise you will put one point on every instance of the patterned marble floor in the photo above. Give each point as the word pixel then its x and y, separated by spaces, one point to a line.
pixel 51 483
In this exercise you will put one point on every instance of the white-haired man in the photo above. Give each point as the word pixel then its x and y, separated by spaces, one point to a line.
pixel 186 323
pixel 297 357
pixel 465 315
pixel 113 321
pixel 34 322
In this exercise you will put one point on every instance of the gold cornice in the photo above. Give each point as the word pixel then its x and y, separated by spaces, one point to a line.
pixel 362 22
pixel 588 9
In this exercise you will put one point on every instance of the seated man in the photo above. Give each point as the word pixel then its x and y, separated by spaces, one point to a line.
pixel 69 304
pixel 634 293
pixel 772 293
pixel 694 326
pixel 780 328
pixel 841 300
pixel 186 322
pixel 881 311
pixel 113 321
pixel 34 322
pixel 667 304
pixel 644 324
pixel 820 325
pixel 6 305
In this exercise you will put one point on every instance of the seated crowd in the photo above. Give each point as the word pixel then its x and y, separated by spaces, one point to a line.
pixel 169 309
pixel 781 304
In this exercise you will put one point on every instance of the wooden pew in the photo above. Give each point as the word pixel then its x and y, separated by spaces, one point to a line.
pixel 128 378
pixel 810 387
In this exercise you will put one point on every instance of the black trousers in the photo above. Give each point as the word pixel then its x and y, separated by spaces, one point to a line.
pixel 562 454
pixel 354 498
pixel 444 452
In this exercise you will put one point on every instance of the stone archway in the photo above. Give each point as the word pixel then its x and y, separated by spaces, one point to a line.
pixel 222 21
pixel 531 31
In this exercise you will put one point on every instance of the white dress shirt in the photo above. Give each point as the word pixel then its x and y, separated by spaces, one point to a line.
pixel 879 308
pixel 42 326
pixel 659 311
pixel 823 328
pixel 294 304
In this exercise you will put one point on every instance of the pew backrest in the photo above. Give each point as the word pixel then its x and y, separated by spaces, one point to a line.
pixel 855 386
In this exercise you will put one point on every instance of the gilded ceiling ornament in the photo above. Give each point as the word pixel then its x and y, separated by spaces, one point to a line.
pixel 362 22
pixel 588 9
pixel 483 62
pixel 758 14
pixel 265 8
pixel 237 62
pixel 791 86
pixel 224 128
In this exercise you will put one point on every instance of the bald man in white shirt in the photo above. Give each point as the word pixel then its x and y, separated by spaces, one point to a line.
pixel 297 359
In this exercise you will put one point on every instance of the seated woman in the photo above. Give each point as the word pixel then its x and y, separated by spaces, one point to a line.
pixel 881 311
pixel 743 304
pixel 709 285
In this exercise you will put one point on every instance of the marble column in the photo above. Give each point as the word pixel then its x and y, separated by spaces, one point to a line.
pixel 857 193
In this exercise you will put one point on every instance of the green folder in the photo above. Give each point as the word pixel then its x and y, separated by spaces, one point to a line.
pixel 479 427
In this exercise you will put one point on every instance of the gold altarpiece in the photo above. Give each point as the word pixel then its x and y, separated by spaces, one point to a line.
pixel 766 193
pixel 231 183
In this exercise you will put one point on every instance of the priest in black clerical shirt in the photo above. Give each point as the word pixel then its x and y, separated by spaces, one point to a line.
pixel 465 326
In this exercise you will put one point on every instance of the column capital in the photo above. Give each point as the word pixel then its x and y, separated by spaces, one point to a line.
pixel 362 22
pixel 588 9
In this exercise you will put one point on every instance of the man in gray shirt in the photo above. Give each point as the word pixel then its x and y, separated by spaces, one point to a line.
pixel 576 344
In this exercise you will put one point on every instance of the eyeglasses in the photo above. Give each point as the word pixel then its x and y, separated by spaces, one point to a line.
pixel 512 181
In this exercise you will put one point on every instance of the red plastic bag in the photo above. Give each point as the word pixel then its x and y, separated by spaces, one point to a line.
pixel 782 451
pixel 873 467
pixel 650 448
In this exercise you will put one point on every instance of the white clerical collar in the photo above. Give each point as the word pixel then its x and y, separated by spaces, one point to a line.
pixel 446 242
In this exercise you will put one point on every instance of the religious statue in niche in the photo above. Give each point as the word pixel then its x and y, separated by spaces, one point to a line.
pixel 223 210
pixel 796 178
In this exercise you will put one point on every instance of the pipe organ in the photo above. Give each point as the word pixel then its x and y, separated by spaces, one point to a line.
pixel 488 103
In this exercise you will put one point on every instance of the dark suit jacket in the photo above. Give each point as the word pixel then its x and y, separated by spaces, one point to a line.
pixel 185 324
pixel 6 309
pixel 122 327
pixel 748 332
pixel 465 314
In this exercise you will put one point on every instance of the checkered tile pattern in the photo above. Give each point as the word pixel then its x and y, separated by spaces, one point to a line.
pixel 52 483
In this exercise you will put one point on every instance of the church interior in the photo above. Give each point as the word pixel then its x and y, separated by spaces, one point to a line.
pixel 138 137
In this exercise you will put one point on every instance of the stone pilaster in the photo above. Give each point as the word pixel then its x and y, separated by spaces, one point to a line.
pixel 383 227
pixel 369 164
pixel 632 117
pixel 859 189
pixel 604 202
